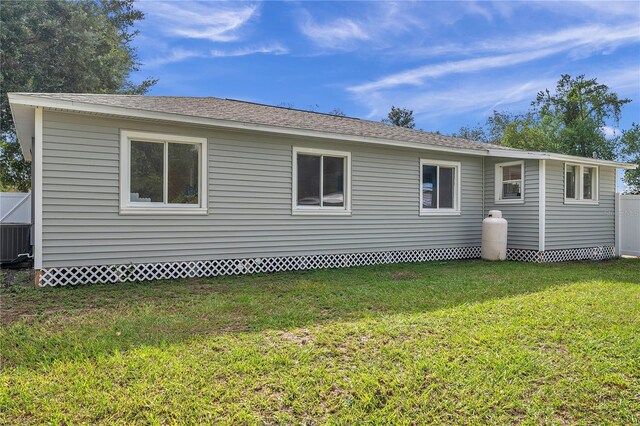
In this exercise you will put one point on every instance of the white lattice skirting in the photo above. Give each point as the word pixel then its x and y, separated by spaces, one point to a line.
pixel 211 268
pixel 589 253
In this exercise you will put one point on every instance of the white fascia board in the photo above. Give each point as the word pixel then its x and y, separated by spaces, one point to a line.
pixel 560 157
pixel 24 120
pixel 542 204
pixel 37 188
pixel 33 101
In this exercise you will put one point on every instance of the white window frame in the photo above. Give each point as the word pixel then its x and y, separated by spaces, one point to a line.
pixel 321 210
pixel 579 182
pixel 127 207
pixel 457 191
pixel 498 183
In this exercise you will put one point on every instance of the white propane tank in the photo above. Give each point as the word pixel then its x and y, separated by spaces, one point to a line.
pixel 494 236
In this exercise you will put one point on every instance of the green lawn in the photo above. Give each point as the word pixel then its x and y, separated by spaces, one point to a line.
pixel 461 342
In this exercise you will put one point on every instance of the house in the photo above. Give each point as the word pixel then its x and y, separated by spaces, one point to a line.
pixel 146 187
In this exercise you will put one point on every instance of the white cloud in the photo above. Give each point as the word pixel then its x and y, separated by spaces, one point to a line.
pixel 590 8
pixel 577 42
pixel 376 26
pixel 609 132
pixel 469 97
pixel 417 76
pixel 475 97
pixel 336 34
pixel 214 21
pixel 626 80
pixel 174 55
pixel 591 37
pixel 179 54
pixel 473 8
pixel 274 49
pixel 482 95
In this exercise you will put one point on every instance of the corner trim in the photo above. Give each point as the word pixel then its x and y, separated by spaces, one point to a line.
pixel 542 207
pixel 616 226
pixel 37 190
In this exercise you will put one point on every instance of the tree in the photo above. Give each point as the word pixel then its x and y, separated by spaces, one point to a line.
pixel 568 121
pixel 494 128
pixel 631 152
pixel 476 133
pixel 531 133
pixel 338 112
pixel 60 46
pixel 15 172
pixel 583 107
pixel 400 117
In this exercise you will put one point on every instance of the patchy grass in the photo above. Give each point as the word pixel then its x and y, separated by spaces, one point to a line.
pixel 16 277
pixel 449 342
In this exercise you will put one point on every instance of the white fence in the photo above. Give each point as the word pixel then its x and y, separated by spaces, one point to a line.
pixel 15 207
pixel 628 225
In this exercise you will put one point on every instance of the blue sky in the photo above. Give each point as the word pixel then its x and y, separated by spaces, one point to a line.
pixel 452 63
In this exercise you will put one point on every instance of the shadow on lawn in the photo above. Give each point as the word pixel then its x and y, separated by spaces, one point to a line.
pixel 42 326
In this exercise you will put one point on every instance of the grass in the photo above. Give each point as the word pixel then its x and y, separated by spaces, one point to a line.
pixel 461 342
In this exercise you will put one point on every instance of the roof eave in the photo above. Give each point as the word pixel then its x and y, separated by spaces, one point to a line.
pixel 535 155
pixel 24 121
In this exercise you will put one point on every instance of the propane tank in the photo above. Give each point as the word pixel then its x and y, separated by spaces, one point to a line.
pixel 494 236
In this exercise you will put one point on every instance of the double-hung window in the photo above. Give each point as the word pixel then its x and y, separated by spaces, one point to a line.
pixel 321 182
pixel 162 174
pixel 580 184
pixel 509 178
pixel 439 187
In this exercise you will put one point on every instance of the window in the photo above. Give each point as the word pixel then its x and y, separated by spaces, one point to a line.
pixel 570 182
pixel 580 184
pixel 321 182
pixel 439 187
pixel 162 174
pixel 509 180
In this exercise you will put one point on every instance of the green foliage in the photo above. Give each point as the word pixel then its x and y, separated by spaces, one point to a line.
pixel 62 46
pixel 631 153
pixel 576 100
pixel 476 133
pixel 583 107
pixel 462 342
pixel 568 121
pixel 15 172
pixel 531 133
pixel 494 128
pixel 400 117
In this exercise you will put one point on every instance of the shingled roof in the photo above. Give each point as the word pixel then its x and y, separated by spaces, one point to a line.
pixel 253 113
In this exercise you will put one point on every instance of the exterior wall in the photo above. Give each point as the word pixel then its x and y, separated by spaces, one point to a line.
pixel 523 218
pixel 250 179
pixel 579 225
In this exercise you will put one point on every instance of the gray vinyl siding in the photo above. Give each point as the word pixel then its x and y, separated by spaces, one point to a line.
pixel 249 200
pixel 522 219
pixel 573 225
